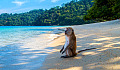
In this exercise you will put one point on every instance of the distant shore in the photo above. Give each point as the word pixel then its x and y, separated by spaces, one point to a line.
pixel 104 36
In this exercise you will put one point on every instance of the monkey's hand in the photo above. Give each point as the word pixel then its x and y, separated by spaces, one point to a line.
pixel 62 49
pixel 63 52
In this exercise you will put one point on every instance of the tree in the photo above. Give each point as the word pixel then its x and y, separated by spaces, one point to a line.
pixel 104 10
pixel 22 19
pixel 70 14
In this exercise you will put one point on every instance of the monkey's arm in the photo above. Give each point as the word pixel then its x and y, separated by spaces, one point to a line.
pixel 67 48
pixel 62 49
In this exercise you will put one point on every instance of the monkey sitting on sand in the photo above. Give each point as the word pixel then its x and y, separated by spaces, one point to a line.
pixel 70 45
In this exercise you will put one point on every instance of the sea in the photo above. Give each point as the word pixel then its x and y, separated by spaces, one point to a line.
pixel 21 46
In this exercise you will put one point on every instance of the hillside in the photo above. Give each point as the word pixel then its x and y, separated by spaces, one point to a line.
pixel 22 19
pixel 68 14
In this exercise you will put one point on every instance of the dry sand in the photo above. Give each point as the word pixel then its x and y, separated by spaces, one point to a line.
pixel 105 36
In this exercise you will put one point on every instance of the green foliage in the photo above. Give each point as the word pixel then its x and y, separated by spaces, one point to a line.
pixel 104 10
pixel 69 14
pixel 22 19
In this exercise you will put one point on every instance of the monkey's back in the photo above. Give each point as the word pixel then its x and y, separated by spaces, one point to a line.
pixel 73 44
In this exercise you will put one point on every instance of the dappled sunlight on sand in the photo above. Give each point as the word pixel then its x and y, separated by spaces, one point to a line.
pixel 105 67
pixel 113 66
pixel 78 57
pixel 57 42
pixel 79 46
pixel 94 65
pixel 111 45
pixel 106 38
pixel 103 49
pixel 89 53
pixel 95 43
pixel 115 59
pixel 53 51
pixel 72 68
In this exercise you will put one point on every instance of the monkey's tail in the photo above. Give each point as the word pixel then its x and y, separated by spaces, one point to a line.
pixel 85 50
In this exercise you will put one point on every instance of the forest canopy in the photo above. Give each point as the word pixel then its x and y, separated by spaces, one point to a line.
pixel 68 14
pixel 22 19
pixel 104 10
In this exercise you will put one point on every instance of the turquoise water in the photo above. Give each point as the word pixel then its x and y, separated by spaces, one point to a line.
pixel 15 57
pixel 13 34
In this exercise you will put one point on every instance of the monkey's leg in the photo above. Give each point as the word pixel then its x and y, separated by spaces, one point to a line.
pixel 65 49
pixel 72 52
pixel 68 54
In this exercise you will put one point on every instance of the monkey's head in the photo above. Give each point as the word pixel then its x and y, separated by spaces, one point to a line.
pixel 69 31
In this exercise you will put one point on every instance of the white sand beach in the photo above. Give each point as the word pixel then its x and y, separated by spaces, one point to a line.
pixel 105 36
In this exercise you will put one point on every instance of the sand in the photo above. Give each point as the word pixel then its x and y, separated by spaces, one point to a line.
pixel 105 36
pixel 29 53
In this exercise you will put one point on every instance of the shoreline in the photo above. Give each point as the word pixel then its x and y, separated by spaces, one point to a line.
pixel 34 54
pixel 27 54
pixel 49 37
pixel 103 36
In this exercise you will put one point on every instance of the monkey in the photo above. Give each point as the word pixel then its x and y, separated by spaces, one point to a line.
pixel 69 48
pixel 70 45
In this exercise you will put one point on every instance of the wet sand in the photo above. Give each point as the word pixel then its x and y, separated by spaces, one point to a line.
pixel 28 54
pixel 105 36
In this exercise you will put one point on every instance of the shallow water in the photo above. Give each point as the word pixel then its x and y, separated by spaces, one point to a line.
pixel 24 47
pixel 12 34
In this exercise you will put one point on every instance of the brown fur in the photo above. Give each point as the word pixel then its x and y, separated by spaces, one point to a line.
pixel 71 48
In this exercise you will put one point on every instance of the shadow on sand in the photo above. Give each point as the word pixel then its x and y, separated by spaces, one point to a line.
pixel 13 57
pixel 105 57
